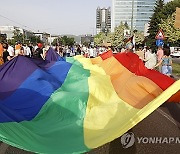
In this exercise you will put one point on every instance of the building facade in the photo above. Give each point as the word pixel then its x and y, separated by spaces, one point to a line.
pixel 122 12
pixel 10 30
pixel 51 38
pixel 103 20
pixel 43 36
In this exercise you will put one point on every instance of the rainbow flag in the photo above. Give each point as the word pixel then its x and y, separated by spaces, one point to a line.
pixel 77 104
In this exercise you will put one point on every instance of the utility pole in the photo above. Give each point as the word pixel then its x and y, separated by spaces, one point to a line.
pixel 132 17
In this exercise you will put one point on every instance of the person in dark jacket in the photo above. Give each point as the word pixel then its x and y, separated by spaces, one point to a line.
pixel 38 54
pixel 6 56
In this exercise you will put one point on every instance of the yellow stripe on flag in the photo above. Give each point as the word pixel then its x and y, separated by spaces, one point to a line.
pixel 108 116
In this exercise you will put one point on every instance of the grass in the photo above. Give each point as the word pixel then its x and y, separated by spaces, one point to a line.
pixel 176 69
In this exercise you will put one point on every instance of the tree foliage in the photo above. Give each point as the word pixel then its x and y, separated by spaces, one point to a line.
pixel 162 14
pixel 99 38
pixel 18 36
pixel 139 38
pixel 170 8
pixel 154 23
pixel 57 41
pixel 64 41
pixel 117 37
pixel 35 39
pixel 67 41
pixel 171 33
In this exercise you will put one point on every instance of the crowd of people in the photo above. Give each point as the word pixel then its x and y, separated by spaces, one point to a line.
pixel 8 51
pixel 161 59
pixel 151 59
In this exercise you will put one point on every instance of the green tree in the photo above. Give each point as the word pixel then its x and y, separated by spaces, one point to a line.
pixel 11 42
pixel 171 33
pixel 117 37
pixel 57 40
pixel 99 39
pixel 161 13
pixel 139 37
pixel 67 40
pixel 170 8
pixel 109 38
pixel 18 36
pixel 154 23
pixel 35 39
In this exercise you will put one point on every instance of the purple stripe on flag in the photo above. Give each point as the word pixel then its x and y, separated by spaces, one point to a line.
pixel 19 68
pixel 52 55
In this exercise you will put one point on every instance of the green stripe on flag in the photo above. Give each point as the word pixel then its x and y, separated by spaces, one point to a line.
pixel 58 128
pixel 73 61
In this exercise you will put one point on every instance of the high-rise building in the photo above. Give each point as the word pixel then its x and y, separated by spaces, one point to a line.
pixel 103 20
pixel 122 12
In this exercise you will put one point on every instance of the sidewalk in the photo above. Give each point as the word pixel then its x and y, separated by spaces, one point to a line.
pixel 176 77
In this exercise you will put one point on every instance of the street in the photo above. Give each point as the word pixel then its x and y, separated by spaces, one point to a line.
pixel 163 123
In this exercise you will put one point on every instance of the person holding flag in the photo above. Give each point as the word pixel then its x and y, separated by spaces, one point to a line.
pixel 130 44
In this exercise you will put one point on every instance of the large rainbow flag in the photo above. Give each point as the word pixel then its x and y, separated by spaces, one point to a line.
pixel 76 104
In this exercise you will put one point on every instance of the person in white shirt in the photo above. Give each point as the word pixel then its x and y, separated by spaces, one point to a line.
pixel 11 51
pixel 68 51
pixel 35 47
pixel 150 59
pixel 27 51
pixel 91 52
pixel 95 52
pixel 101 50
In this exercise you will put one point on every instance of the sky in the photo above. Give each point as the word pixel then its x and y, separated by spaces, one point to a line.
pixel 53 16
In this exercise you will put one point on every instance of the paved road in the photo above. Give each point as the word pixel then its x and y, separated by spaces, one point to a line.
pixel 163 122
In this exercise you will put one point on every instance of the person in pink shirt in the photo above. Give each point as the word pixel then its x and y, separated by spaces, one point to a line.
pixel 160 54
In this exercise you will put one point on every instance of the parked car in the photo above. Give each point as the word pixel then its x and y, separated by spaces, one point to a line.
pixel 175 52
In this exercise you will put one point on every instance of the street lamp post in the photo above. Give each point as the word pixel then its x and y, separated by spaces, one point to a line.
pixel 132 17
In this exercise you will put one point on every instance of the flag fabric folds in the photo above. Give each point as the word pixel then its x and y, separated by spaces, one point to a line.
pixel 77 104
